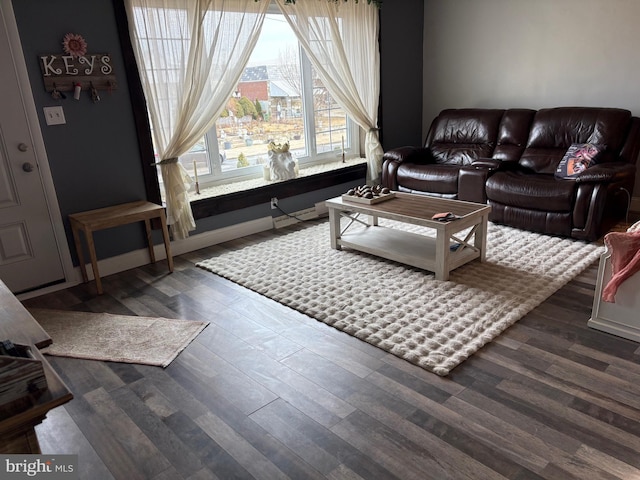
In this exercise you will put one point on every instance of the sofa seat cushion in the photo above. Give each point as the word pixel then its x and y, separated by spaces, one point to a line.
pixel 551 223
pixel 531 191
pixel 434 178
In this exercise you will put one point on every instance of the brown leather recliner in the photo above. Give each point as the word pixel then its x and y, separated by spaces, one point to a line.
pixel 456 138
pixel 507 158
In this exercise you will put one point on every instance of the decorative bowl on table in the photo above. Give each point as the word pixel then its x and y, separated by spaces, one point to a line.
pixel 368 194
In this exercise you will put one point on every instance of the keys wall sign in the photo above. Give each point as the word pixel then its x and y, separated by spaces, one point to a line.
pixel 76 70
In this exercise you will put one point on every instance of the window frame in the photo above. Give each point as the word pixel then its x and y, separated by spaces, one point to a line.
pixel 351 140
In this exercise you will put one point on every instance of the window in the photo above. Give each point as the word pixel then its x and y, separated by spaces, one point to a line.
pixel 278 98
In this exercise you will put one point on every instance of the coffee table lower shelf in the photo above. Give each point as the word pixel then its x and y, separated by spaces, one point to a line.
pixel 433 253
pixel 396 244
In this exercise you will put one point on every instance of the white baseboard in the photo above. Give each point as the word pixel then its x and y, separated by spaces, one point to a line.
pixel 213 237
pixel 52 288
pixel 137 258
pixel 322 209
pixel 318 210
pixel 140 257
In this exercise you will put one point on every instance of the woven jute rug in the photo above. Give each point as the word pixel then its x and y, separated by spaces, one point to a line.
pixel 116 338
pixel 404 310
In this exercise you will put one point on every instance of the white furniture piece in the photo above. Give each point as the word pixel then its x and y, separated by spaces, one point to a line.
pixel 447 251
pixel 621 318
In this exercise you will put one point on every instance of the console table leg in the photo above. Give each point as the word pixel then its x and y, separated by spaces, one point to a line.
pixel 94 260
pixel 76 241
pixel 167 241
pixel 147 227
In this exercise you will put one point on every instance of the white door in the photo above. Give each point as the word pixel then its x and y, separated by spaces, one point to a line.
pixel 29 254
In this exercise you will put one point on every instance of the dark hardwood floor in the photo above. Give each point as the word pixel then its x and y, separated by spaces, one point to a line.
pixel 267 393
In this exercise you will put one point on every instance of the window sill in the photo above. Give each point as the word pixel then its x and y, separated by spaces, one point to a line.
pixel 247 193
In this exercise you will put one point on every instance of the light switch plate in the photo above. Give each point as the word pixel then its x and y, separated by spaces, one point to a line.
pixel 54 115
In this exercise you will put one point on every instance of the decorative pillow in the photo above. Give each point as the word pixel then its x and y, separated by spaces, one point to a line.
pixel 578 158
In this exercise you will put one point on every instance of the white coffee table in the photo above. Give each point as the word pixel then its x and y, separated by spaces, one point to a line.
pixel 439 255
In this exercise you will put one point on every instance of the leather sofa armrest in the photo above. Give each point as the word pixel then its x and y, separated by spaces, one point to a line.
pixel 473 178
pixel 493 164
pixel 607 173
pixel 486 163
pixel 419 155
pixel 392 159
pixel 471 183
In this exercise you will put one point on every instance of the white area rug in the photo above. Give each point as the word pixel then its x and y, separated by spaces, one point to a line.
pixel 116 338
pixel 403 310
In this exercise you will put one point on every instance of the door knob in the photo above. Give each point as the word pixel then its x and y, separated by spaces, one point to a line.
pixel 23 147
pixel 27 167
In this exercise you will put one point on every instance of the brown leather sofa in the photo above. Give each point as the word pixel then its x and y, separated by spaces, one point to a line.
pixel 508 159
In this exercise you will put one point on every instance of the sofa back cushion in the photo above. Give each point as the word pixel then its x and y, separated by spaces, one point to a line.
pixel 554 130
pixel 513 133
pixel 459 136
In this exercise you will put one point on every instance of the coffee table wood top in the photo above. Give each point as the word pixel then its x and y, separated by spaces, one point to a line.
pixel 415 209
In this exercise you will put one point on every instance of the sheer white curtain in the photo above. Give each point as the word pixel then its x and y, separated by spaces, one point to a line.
pixel 190 54
pixel 341 40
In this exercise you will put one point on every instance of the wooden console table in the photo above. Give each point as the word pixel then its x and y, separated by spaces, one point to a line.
pixel 17 430
pixel 89 222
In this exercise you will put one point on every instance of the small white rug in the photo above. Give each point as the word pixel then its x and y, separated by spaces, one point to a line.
pixel 403 310
pixel 116 338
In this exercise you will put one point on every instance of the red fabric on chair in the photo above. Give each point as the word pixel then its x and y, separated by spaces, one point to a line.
pixel 625 259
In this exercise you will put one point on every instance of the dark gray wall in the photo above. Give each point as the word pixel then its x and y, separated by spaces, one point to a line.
pixel 94 158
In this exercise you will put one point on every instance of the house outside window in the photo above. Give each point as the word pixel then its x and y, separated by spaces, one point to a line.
pixel 278 98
